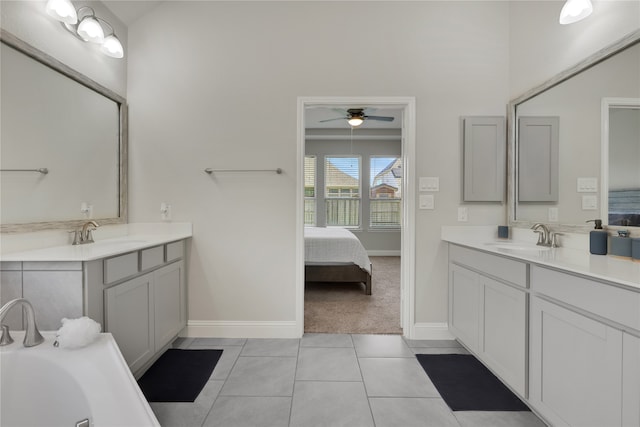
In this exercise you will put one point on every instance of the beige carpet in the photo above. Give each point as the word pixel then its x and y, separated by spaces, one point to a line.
pixel 343 308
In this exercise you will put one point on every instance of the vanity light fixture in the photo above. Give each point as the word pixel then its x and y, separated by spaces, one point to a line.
pixel 85 25
pixel 575 10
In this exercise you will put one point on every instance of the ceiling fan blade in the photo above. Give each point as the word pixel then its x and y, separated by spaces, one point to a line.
pixel 330 120
pixel 380 118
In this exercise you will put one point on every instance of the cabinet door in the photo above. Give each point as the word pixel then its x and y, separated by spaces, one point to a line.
pixel 129 317
pixel 169 307
pixel 538 159
pixel 464 292
pixel 630 381
pixel 503 326
pixel 576 367
pixel 485 158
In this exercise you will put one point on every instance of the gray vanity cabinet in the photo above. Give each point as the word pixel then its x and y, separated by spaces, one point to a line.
pixel 485 159
pixel 538 151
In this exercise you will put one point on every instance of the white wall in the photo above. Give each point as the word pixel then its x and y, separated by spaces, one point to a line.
pixel 541 48
pixel 215 84
pixel 28 20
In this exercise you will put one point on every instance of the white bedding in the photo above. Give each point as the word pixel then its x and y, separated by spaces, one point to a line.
pixel 334 245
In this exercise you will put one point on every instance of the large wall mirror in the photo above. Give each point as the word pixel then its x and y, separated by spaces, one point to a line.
pixel 63 158
pixel 565 126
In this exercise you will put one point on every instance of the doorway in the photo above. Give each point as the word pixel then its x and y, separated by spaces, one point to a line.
pixel 406 106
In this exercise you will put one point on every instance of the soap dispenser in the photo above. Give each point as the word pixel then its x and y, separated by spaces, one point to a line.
pixel 598 238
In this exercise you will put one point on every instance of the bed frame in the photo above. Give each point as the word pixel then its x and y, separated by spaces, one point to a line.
pixel 337 272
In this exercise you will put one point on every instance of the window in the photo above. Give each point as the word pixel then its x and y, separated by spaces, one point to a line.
pixel 309 190
pixel 385 192
pixel 342 191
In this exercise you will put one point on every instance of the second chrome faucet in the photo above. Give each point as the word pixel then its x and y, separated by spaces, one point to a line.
pixel 83 235
pixel 545 236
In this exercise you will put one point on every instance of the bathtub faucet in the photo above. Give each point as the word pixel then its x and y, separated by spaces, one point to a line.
pixel 32 336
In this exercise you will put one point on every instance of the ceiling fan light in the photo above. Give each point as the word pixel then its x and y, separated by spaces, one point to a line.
pixel 62 10
pixel 112 47
pixel 575 10
pixel 355 121
pixel 90 30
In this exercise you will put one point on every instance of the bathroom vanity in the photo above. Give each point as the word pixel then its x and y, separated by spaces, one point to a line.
pixel 134 285
pixel 559 326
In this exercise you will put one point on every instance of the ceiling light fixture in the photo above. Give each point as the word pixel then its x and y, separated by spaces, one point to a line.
pixel 85 25
pixel 575 10
pixel 355 121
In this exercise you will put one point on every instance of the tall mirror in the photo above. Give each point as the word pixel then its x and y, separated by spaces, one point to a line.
pixel 556 144
pixel 63 152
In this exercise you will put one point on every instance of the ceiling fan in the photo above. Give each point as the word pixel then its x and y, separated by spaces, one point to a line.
pixel 356 116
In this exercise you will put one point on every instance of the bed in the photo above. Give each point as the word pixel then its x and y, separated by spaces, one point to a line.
pixel 335 255
pixel 623 207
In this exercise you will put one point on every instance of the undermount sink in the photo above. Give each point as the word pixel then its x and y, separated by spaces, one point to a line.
pixel 518 246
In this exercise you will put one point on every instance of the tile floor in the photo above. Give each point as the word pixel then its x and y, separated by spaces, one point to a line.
pixel 325 380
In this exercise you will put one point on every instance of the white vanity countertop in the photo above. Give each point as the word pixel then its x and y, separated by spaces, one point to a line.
pixel 112 242
pixel 622 271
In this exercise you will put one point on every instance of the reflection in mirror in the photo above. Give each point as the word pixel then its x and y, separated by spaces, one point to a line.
pixel 56 119
pixel 575 98
pixel 620 161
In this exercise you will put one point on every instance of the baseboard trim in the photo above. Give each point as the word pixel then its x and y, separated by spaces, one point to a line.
pixel 432 331
pixel 240 329
pixel 384 253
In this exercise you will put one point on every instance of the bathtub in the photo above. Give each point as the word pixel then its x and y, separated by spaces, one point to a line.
pixel 50 386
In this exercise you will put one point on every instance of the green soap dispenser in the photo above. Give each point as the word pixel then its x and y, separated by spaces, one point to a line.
pixel 598 238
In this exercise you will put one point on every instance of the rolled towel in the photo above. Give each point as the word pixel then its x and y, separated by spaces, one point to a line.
pixel 76 333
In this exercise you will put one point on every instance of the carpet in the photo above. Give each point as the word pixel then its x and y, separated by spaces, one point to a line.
pixel 178 375
pixel 343 308
pixel 466 384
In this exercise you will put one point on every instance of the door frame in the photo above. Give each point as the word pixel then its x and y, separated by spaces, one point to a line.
pixel 407 269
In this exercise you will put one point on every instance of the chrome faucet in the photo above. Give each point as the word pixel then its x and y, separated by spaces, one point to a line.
pixel 544 235
pixel 32 336
pixel 83 235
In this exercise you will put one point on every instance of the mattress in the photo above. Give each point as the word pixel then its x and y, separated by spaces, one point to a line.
pixel 334 245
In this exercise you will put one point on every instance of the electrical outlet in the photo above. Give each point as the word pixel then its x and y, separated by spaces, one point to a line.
pixel 463 214
pixel 553 215
pixel 427 201
pixel 165 211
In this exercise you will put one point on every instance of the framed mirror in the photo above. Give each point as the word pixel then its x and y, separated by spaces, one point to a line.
pixel 63 158
pixel 570 105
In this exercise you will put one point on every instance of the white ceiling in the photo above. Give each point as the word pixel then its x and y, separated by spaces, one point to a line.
pixel 129 11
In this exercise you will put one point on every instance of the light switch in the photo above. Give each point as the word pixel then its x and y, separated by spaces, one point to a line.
pixel 426 201
pixel 589 203
pixel 429 183
pixel 587 185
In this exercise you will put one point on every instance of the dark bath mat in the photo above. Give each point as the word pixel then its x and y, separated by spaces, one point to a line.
pixel 467 385
pixel 178 375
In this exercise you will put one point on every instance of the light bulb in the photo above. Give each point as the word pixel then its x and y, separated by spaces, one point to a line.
pixel 62 10
pixel 575 10
pixel 355 121
pixel 112 47
pixel 90 30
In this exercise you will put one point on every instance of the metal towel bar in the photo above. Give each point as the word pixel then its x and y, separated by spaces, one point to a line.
pixel 43 171
pixel 210 170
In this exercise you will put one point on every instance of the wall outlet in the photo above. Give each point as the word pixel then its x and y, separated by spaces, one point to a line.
pixel 165 211
pixel 427 201
pixel 429 183
pixel 553 215
pixel 463 214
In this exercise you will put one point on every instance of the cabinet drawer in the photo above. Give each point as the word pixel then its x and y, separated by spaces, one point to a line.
pixel 151 257
pixel 175 250
pixel 119 267
pixel 606 300
pixel 510 270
